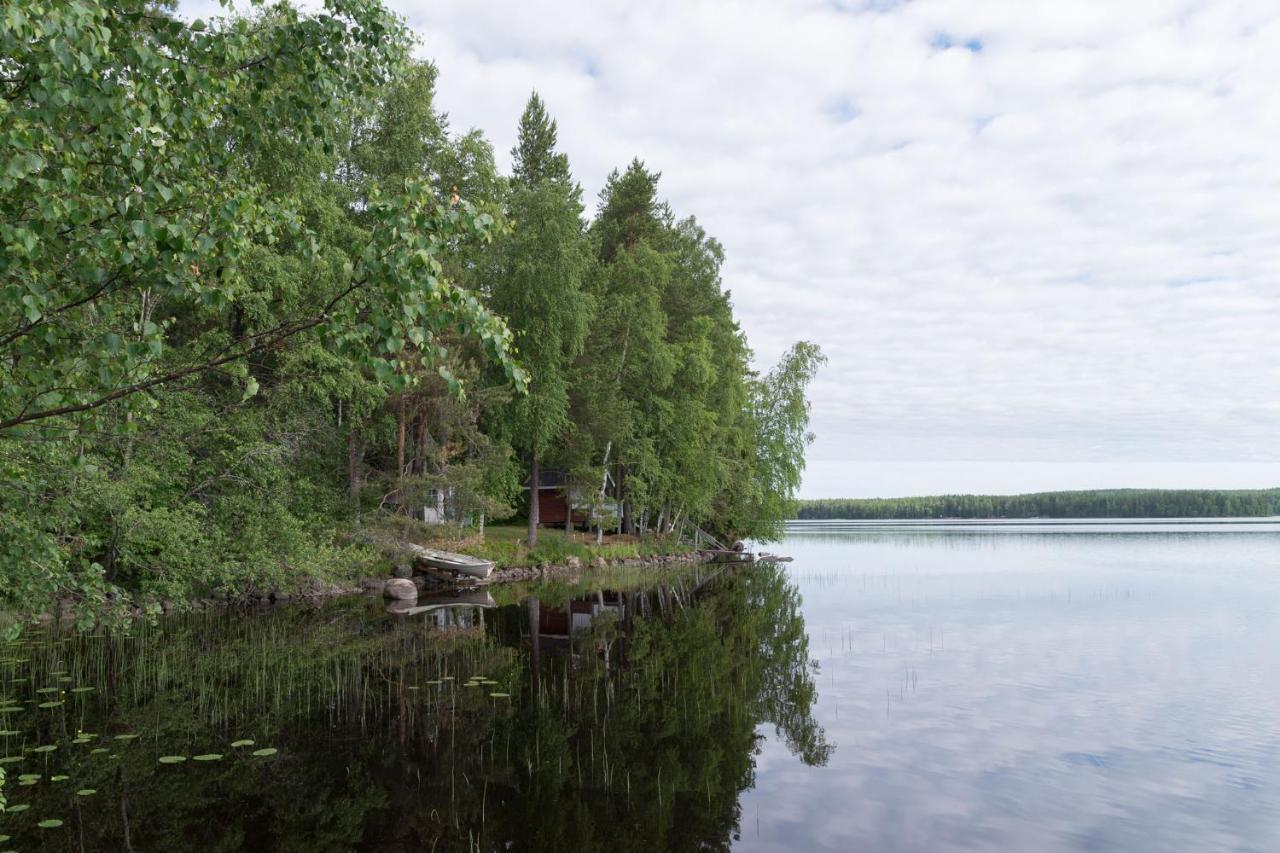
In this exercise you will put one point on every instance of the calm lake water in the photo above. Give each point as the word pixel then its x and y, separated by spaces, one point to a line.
pixel 1008 686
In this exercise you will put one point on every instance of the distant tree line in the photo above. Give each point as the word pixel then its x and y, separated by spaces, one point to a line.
pixel 1098 503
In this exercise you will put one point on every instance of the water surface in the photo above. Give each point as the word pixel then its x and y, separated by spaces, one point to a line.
pixel 1035 686
pixel 1007 686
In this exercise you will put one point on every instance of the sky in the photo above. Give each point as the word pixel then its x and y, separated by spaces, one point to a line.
pixel 1039 242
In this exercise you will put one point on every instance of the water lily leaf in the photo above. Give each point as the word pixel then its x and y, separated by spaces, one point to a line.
pixel 208 756
pixel 125 737
pixel 98 750
pixel 172 759
pixel 263 753
pixel 52 823
pixel 500 695
pixel 59 778
pixel 20 807
pixel 12 759
pixel 83 689
pixel 51 704
pixel 240 743
pixel 49 690
pixel 86 792
pixel 48 747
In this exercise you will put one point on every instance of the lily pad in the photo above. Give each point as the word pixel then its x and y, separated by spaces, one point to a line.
pixel 59 778
pixel 9 733
pixel 172 759
pixel 239 743
pixel 48 747
pixel 51 704
pixel 20 807
pixel 125 737
pixel 83 689
pixel 208 756
pixel 263 753
pixel 500 695
pixel 98 750
pixel 49 690
pixel 52 823
pixel 86 792
pixel 12 759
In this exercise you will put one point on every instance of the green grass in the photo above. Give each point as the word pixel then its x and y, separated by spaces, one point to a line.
pixel 504 544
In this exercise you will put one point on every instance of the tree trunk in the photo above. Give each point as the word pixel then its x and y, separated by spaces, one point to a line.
pixel 400 443
pixel 354 453
pixel 624 510
pixel 533 500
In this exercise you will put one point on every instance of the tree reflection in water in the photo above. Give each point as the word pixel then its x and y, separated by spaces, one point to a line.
pixel 619 720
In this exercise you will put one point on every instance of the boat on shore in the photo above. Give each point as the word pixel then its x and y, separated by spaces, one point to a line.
pixel 447 561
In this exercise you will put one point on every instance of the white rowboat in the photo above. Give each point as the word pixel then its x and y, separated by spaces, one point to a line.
pixel 446 561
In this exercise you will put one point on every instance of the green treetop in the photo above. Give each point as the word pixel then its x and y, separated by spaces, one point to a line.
pixel 538 283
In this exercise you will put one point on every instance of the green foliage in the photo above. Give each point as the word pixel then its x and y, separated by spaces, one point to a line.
pixel 210 282
pixel 251 289
pixel 1103 503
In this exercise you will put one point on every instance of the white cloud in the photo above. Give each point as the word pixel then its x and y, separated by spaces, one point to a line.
pixel 1022 231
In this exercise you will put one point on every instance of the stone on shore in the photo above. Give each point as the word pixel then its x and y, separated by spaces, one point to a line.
pixel 400 588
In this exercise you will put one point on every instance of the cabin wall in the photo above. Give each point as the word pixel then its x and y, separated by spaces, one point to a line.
pixel 552 506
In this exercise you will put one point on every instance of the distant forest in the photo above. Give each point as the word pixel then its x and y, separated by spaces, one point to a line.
pixel 1106 503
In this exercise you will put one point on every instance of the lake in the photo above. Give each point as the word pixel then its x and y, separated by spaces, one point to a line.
pixel 898 686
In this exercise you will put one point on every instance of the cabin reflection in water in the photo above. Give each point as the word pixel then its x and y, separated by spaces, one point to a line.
pixel 578 615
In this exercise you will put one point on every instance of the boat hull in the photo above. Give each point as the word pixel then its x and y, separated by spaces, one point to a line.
pixel 445 561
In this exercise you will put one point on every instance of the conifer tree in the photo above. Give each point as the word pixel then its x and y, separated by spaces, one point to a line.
pixel 538 283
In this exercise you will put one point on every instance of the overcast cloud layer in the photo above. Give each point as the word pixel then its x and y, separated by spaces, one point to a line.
pixel 1039 241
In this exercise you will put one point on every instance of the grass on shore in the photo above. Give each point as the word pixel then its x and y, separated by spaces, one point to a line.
pixel 505 545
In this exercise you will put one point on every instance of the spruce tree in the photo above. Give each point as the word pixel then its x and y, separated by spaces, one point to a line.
pixel 539 285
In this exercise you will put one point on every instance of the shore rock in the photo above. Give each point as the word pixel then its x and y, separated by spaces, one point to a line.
pixel 400 588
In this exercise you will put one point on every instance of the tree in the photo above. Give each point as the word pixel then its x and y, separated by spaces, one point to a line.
pixel 207 273
pixel 129 194
pixel 779 408
pixel 538 283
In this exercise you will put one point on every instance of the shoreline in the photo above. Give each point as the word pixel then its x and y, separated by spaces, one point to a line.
pixel 427 582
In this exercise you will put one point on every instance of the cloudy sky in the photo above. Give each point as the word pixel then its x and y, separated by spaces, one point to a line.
pixel 1039 241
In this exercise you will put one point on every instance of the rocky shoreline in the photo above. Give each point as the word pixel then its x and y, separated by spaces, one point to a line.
pixel 425 582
